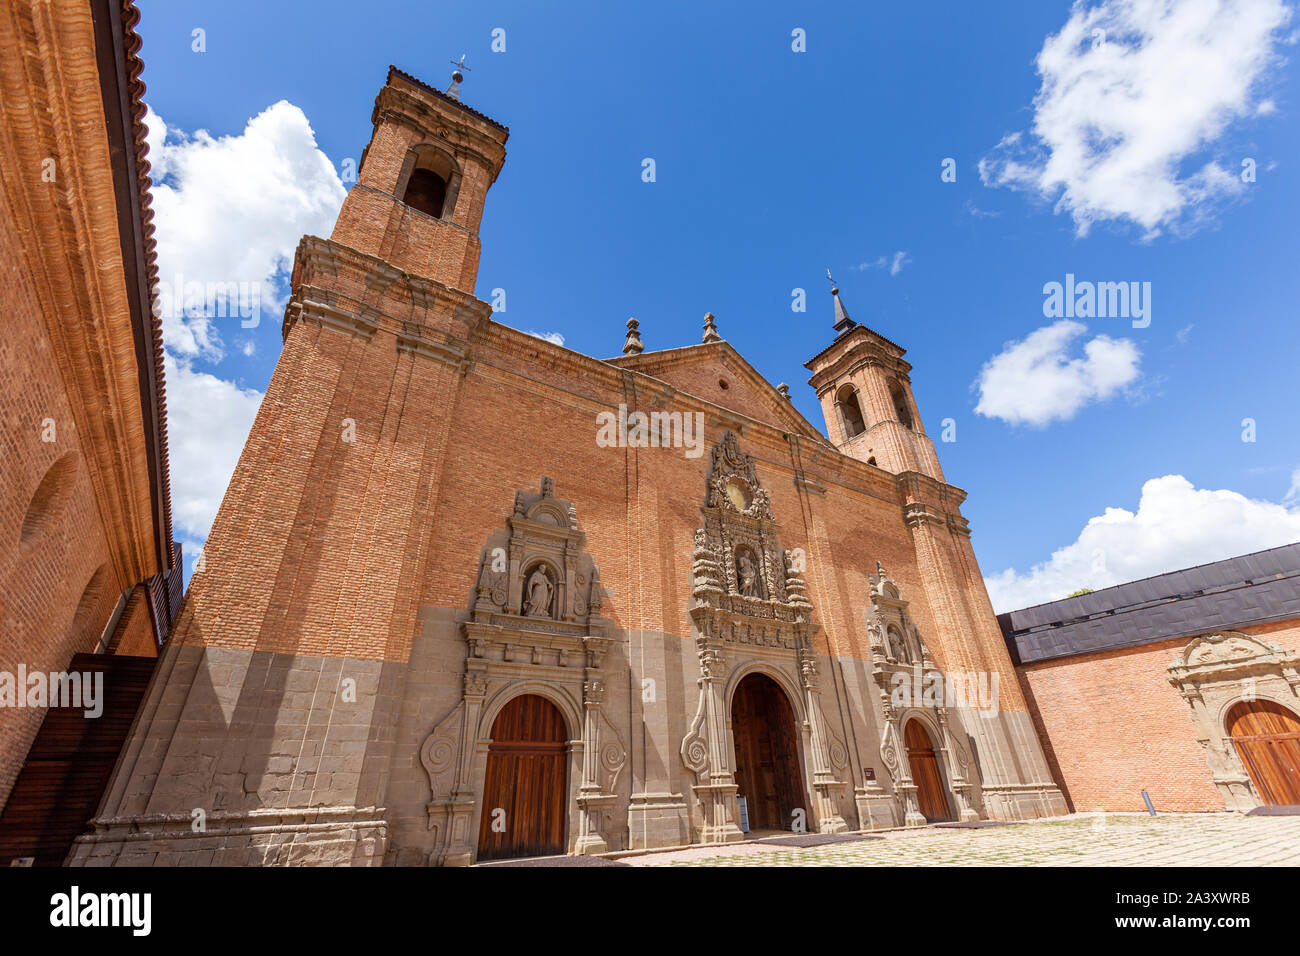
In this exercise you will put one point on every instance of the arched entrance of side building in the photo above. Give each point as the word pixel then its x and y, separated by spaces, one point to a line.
pixel 768 771
pixel 1267 739
pixel 525 785
pixel 930 797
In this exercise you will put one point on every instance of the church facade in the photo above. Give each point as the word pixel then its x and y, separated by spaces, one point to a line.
pixel 473 595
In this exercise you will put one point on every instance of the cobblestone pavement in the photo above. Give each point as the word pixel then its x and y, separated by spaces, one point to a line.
pixel 1219 839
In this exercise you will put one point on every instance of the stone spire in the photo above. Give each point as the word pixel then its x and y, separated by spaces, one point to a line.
pixel 842 321
pixel 710 330
pixel 633 344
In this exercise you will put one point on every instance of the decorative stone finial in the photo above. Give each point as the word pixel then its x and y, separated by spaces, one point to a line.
pixel 457 77
pixel 710 330
pixel 784 389
pixel 633 344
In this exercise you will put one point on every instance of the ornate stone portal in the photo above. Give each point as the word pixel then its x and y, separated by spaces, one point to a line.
pixel 911 688
pixel 1213 673
pixel 750 613
pixel 535 628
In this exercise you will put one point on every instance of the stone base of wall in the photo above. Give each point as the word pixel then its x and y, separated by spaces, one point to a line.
pixel 334 836
pixel 1029 801
pixel 877 808
pixel 658 819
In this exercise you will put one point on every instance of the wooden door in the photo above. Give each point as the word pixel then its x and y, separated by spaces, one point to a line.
pixel 1267 738
pixel 921 758
pixel 524 790
pixel 768 774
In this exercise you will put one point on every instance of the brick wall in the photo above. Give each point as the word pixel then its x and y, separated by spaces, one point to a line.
pixel 1114 726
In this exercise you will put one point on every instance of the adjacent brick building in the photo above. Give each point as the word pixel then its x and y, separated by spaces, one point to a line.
pixel 473 594
pixel 1184 685
pixel 87 563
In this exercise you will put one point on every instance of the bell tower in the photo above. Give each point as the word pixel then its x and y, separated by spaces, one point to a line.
pixel 866 395
pixel 418 199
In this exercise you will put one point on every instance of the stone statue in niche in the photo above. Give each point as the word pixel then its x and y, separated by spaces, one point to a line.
pixel 537 594
pixel 747 575
pixel 897 648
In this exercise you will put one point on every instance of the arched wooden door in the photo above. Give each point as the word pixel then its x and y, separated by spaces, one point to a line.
pixel 524 789
pixel 768 775
pixel 1267 738
pixel 930 797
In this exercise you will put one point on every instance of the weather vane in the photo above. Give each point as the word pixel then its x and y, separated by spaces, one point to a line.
pixel 457 76
pixel 832 278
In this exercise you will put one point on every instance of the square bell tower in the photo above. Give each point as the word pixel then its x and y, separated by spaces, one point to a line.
pixel 419 195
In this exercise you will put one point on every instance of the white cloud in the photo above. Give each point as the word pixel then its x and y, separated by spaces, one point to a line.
pixel 1176 526
pixel 231 209
pixel 555 338
pixel 1035 381
pixel 208 420
pixel 1116 120
pixel 894 263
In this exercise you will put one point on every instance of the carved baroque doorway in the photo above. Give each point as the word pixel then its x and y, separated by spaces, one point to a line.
pixel 768 772
pixel 523 791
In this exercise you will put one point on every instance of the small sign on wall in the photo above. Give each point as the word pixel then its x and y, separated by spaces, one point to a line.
pixel 744 814
pixel 870 774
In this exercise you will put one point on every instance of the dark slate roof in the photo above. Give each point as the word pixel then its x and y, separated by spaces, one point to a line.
pixel 1251 589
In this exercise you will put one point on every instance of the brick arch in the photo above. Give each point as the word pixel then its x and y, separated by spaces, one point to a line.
pixel 48 499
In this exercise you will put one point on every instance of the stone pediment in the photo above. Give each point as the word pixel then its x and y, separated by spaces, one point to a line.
pixel 695 370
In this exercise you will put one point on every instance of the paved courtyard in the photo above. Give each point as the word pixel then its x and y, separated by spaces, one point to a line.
pixel 1084 840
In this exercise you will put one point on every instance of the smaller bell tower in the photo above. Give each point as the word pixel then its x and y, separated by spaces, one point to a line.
pixel 866 395
pixel 419 195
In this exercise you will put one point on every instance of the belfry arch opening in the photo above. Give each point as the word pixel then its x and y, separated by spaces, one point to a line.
pixel 902 411
pixel 768 773
pixel 524 787
pixel 430 185
pixel 846 399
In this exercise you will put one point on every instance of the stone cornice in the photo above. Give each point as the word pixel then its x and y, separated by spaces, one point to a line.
pixel 858 347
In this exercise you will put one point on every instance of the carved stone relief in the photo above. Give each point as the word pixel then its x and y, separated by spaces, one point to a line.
pixel 535 627
pixel 900 659
pixel 1214 672
pixel 750 611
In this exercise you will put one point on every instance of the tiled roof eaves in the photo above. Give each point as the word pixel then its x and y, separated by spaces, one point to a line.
pixel 142 249
pixel 394 71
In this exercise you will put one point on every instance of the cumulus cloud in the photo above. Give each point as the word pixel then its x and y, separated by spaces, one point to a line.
pixel 894 263
pixel 1134 93
pixel 1176 526
pixel 1036 381
pixel 230 210
pixel 555 338
pixel 208 420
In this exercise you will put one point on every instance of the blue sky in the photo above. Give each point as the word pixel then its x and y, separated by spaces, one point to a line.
pixel 773 165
